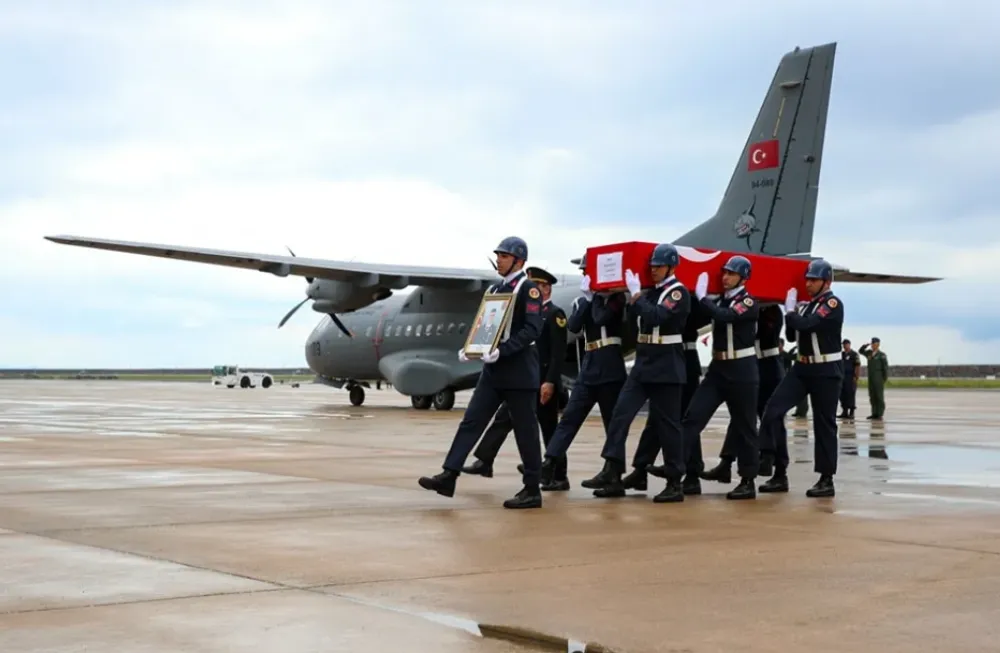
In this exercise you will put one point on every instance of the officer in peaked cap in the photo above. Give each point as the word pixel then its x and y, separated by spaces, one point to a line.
pixel 510 375
pixel 732 375
pixel 818 373
pixel 601 318
pixel 551 353
pixel 658 376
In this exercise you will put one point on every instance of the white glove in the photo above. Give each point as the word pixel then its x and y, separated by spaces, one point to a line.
pixel 632 281
pixel 492 356
pixel 701 288
pixel 790 298
pixel 462 358
pixel 585 287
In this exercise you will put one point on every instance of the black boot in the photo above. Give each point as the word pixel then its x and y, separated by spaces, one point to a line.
pixel 602 478
pixel 443 483
pixel 673 493
pixel 659 471
pixel 691 486
pixel 528 497
pixel 745 490
pixel 777 483
pixel 613 486
pixel 480 468
pixel 723 473
pixel 823 488
pixel 549 482
pixel 636 480
pixel 766 464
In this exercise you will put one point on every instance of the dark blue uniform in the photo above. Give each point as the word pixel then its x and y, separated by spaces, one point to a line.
pixel 818 373
pixel 732 378
pixel 514 378
pixel 551 347
pixel 658 375
pixel 649 441
pixel 602 374
pixel 849 390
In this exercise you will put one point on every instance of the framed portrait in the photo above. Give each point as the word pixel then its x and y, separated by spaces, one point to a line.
pixel 491 319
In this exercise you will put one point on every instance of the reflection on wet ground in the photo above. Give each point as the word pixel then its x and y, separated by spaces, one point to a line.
pixel 186 517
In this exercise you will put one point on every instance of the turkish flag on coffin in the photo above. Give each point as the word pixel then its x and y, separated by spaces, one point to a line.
pixel 770 279
pixel 763 155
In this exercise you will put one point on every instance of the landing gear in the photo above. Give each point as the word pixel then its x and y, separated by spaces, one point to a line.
pixel 357 395
pixel 445 399
pixel 421 403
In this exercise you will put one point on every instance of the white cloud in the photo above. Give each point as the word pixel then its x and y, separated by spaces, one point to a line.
pixel 389 133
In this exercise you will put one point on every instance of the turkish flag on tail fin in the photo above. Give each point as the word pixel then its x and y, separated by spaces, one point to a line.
pixel 763 155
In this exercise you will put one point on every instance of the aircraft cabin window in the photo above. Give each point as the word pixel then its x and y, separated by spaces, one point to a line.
pixel 388 331
pixel 419 327
pixel 440 329
pixel 399 330
pixel 461 327
pixel 451 328
pixel 430 330
pixel 409 329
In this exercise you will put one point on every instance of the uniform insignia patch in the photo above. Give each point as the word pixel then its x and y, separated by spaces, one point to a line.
pixel 533 308
pixel 823 311
pixel 676 295
pixel 561 321
pixel 740 309
pixel 748 301
pixel 832 302
pixel 533 293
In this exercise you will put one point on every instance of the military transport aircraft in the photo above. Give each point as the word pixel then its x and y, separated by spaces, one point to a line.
pixel 369 334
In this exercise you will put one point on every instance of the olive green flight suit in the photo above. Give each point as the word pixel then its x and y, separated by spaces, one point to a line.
pixel 878 374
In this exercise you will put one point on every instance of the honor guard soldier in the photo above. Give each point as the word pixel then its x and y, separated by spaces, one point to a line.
pixel 849 389
pixel 771 368
pixel 732 375
pixel 817 374
pixel 510 375
pixel 649 441
pixel 551 354
pixel 658 376
pixel 601 318
pixel 878 374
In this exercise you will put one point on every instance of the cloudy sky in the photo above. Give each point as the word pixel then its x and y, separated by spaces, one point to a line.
pixel 385 131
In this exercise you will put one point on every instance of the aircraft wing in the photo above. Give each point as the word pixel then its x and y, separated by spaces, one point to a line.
pixel 877 277
pixel 391 276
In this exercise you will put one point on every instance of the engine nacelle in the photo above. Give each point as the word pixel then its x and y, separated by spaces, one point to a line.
pixel 331 296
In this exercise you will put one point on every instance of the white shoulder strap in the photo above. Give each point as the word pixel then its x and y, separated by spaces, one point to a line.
pixel 666 289
pixel 515 292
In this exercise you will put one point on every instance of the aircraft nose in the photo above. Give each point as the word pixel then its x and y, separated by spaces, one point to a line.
pixel 314 350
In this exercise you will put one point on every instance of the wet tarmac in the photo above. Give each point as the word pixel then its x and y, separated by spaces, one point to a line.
pixel 180 517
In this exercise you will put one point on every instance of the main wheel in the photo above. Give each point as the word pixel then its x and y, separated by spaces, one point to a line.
pixel 421 403
pixel 445 399
pixel 357 395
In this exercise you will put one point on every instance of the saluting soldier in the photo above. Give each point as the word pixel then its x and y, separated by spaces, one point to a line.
pixel 849 390
pixel 551 354
pixel 817 374
pixel 732 375
pixel 601 318
pixel 878 374
pixel 649 443
pixel 771 368
pixel 658 375
pixel 510 375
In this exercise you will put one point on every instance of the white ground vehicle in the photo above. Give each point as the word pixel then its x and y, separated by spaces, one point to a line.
pixel 232 376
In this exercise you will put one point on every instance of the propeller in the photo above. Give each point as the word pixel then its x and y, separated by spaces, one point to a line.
pixel 289 314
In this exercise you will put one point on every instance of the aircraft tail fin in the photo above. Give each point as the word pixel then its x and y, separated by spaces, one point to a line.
pixel 769 206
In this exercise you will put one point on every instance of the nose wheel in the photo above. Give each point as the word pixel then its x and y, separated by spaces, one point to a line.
pixel 357 395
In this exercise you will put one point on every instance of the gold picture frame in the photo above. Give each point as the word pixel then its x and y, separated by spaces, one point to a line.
pixel 491 319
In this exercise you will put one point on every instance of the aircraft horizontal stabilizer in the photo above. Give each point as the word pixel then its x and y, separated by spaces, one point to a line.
pixel 876 277
pixel 370 274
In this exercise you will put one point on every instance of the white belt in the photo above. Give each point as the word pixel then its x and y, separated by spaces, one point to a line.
pixel 766 353
pixel 649 339
pixel 602 342
pixel 822 358
pixel 739 353
pixel 691 346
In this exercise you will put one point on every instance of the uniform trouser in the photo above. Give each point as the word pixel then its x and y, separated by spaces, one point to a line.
pixel 823 391
pixel 482 407
pixel 496 434
pixel 741 400
pixel 581 402
pixel 876 396
pixel 664 416
pixel 649 441
pixel 848 393
pixel 771 372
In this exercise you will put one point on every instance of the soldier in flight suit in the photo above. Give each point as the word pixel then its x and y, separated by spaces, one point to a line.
pixel 658 375
pixel 849 391
pixel 551 354
pixel 818 374
pixel 732 375
pixel 649 442
pixel 510 375
pixel 771 369
pixel 878 374
pixel 602 373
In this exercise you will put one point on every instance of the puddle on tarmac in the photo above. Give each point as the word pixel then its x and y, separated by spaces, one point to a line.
pixel 942 465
